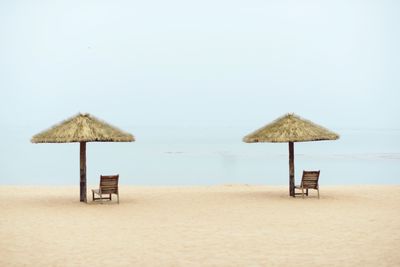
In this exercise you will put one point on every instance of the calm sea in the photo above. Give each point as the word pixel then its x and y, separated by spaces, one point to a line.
pixel 202 157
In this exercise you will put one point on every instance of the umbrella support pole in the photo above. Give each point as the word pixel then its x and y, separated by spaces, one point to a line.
pixel 291 169
pixel 83 197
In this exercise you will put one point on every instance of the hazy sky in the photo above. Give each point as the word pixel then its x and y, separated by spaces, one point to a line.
pixel 207 63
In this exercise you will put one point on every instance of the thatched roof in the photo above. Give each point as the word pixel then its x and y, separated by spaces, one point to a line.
pixel 82 128
pixel 290 128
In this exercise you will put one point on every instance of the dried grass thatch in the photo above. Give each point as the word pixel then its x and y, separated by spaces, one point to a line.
pixel 82 128
pixel 290 128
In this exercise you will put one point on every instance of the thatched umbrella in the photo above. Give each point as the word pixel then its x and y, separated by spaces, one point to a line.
pixel 82 128
pixel 290 128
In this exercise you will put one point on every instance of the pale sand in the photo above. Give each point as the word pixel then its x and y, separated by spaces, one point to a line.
pixel 235 225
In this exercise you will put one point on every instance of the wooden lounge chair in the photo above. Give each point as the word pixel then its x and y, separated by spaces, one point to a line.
pixel 308 181
pixel 108 186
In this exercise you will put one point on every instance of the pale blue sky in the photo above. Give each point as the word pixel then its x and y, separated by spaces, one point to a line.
pixel 194 77
pixel 208 63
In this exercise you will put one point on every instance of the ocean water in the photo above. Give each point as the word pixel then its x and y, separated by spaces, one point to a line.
pixel 201 156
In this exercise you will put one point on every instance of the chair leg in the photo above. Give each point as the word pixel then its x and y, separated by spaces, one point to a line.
pixel 307 192
pixel 92 196
pixel 302 192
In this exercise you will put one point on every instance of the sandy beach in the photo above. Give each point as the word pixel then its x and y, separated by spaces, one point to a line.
pixel 227 225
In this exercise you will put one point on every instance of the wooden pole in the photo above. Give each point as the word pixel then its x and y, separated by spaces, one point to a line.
pixel 291 169
pixel 83 172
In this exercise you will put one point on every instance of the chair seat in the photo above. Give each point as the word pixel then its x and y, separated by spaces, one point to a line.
pixel 305 187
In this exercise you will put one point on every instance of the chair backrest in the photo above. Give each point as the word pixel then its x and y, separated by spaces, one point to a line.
pixel 109 184
pixel 310 179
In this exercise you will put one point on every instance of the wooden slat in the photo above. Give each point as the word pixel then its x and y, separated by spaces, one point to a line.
pixel 310 179
pixel 109 184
